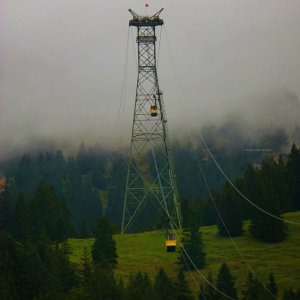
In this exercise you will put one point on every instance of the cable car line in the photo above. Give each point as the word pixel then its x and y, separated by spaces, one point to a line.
pixel 173 225
pixel 212 156
pixel 239 192
pixel 202 276
pixel 159 44
pixel 229 235
pixel 217 210
pixel 134 50
pixel 164 204
pixel 123 89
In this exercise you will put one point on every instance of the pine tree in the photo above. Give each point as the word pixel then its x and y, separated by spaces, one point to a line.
pixel 26 176
pixel 181 286
pixel 163 286
pixel 104 250
pixel 48 215
pixel 103 285
pixel 139 287
pixel 207 291
pixel 116 190
pixel 250 185
pixel 21 219
pixel 293 176
pixel 21 271
pixel 6 211
pixel 230 211
pixel 225 283
pixel 193 255
pixel 265 227
pixel 255 290
pixel 82 291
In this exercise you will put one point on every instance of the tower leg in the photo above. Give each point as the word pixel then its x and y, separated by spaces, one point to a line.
pixel 148 190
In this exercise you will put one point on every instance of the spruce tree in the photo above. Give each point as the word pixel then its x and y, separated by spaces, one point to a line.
pixel 293 176
pixel 263 226
pixel 6 211
pixel 139 287
pixel 254 290
pixel 192 254
pixel 207 291
pixel 21 219
pixel 225 283
pixel 229 206
pixel 103 285
pixel 164 288
pixel 182 289
pixel 104 250
pixel 49 215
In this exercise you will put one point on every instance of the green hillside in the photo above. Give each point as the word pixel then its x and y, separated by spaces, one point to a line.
pixel 145 252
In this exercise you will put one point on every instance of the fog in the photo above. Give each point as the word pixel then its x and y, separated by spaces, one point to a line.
pixel 62 70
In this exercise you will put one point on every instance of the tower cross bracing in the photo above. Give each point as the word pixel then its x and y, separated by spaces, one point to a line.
pixel 148 189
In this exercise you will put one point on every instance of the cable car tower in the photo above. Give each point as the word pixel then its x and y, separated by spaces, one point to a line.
pixel 150 186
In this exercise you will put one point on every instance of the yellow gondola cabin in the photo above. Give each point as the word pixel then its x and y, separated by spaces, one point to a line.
pixel 170 243
pixel 153 110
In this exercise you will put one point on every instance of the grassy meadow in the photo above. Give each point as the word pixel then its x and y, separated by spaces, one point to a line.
pixel 146 252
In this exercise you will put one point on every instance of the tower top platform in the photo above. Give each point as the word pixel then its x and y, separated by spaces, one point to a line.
pixel 145 21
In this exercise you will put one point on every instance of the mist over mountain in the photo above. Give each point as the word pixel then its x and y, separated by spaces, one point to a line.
pixel 265 121
pixel 63 71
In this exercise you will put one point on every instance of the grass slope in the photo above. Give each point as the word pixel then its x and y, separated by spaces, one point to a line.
pixel 145 252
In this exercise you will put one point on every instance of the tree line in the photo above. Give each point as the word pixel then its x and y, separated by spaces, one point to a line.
pixel 92 182
pixel 36 218
pixel 42 270
pixel 34 260
pixel 272 185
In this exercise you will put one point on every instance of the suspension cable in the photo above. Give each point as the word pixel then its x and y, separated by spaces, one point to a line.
pixel 134 50
pixel 212 156
pixel 173 226
pixel 206 184
pixel 123 89
pixel 158 52
pixel 228 232
pixel 239 192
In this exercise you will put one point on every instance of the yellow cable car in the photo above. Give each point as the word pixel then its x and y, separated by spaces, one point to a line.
pixel 170 243
pixel 153 110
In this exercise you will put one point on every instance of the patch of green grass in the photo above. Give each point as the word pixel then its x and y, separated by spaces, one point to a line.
pixel 146 252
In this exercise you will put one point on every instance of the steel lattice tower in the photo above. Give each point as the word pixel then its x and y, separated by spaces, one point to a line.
pixel 150 177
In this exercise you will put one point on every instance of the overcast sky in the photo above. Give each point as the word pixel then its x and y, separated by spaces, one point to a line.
pixel 62 65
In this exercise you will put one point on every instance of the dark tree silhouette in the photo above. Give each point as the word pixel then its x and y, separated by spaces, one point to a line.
pixel 164 288
pixel 181 287
pixel 139 287
pixel 225 283
pixel 194 255
pixel 104 250
pixel 207 290
pixel 293 176
pixel 228 203
pixel 265 227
